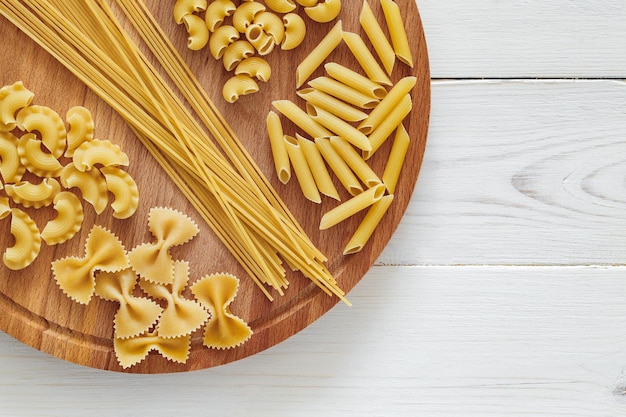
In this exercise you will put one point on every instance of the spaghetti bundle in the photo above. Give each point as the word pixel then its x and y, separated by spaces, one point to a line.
pixel 204 159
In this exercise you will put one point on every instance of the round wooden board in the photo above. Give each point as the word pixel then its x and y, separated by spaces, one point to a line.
pixel 35 310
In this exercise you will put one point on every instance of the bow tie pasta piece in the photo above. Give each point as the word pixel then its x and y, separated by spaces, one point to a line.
pixel 11 168
pixel 48 123
pixel 224 330
pixel 34 195
pixel 33 157
pixel 27 241
pixel 12 99
pixel 131 351
pixel 136 315
pixel 81 128
pixel 124 190
pixel 98 152
pixel 92 185
pixel 68 221
pixel 152 261
pixel 181 316
pixel 103 252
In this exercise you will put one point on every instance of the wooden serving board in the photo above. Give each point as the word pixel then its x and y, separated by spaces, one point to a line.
pixel 35 311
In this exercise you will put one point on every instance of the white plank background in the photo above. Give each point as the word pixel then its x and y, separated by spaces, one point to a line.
pixel 503 293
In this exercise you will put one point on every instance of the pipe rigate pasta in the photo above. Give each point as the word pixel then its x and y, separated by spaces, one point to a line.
pixel 99 152
pixel 81 128
pixel 11 168
pixel 124 190
pixel 224 330
pixel 245 14
pixel 237 52
pixel 217 11
pixel 295 31
pixel 34 195
pixel 197 31
pixel 27 241
pixel 184 8
pixel 91 184
pixel 48 123
pixel 5 206
pixel 238 86
pixel 254 67
pixel 324 11
pixel 221 38
pixel 272 25
pixel 262 42
pixel 307 3
pixel 13 98
pixel 76 276
pixel 131 351
pixel 281 6
pixel 40 163
pixel 68 221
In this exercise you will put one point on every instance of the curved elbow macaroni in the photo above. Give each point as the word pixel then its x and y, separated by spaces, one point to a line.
pixel 281 6
pixel 254 67
pixel 35 160
pixel 272 25
pixel 184 8
pixel 48 123
pixel 11 168
pixel 324 11
pixel 124 190
pixel 99 152
pixel 235 53
pixel 262 42
pixel 81 128
pixel 217 11
pixel 91 184
pixel 27 241
pixel 245 14
pixel 307 3
pixel 197 30
pixel 5 207
pixel 34 195
pixel 13 98
pixel 221 38
pixel 238 86
pixel 68 221
pixel 295 31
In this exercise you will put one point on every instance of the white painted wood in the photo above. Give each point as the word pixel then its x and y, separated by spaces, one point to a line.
pixel 419 341
pixel 530 38
pixel 520 172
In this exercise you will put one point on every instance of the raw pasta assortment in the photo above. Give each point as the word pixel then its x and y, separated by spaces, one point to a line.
pixel 42 157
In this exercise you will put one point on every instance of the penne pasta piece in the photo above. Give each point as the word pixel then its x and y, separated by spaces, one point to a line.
pixel 184 8
pixel 340 128
pixel 197 30
pixel 217 11
pixel 324 11
pixel 255 67
pixel 355 80
pixel 301 119
pixel 365 58
pixel 238 86
pixel 315 58
pixel 377 37
pixel 355 162
pixel 339 167
pixel 245 14
pixel 396 159
pixel 279 147
pixel 331 104
pixel 221 38
pixel 351 207
pixel 295 31
pixel 281 6
pixel 344 92
pixel 302 170
pixel 387 105
pixel 235 53
pixel 318 168
pixel 382 132
pixel 366 228
pixel 397 31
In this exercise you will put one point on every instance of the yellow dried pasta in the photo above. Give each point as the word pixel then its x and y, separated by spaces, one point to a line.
pixel 81 128
pixel 131 351
pixel 68 221
pixel 216 12
pixel 27 241
pixel 13 98
pixel 48 123
pixel 224 330
pixel 92 185
pixel 98 152
pixel 34 195
pixel 35 160
pixel 5 206
pixel 124 190
pixel 11 168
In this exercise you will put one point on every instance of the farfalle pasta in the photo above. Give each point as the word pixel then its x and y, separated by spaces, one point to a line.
pixel 131 351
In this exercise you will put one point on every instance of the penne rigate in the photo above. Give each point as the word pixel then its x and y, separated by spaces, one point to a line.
pixel 344 92
pixel 340 128
pixel 387 105
pixel 396 159
pixel 355 162
pixel 279 147
pixel 315 58
pixel 377 37
pixel 365 58
pixel 351 207
pixel 355 80
pixel 318 168
pixel 331 104
pixel 367 226
pixel 324 11
pixel 339 167
pixel 382 132
pixel 397 31
pixel 301 119
pixel 302 170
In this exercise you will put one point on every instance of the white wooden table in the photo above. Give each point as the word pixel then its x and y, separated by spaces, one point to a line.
pixel 503 292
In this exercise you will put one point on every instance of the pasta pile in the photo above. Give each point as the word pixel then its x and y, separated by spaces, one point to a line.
pixel 40 159
pixel 198 150
pixel 162 318
pixel 348 117
pixel 236 33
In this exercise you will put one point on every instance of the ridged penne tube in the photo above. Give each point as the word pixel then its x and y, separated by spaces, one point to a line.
pixel 396 159
pixel 302 170
pixel 301 119
pixel 220 39
pixel 351 207
pixel 34 195
pixel 324 11
pixel 314 159
pixel 317 56
pixel 281 6
pixel 331 104
pixel 81 128
pixel 67 222
pixel 11 168
pixel 355 80
pixel 197 30
pixel 279 147
pixel 387 105
pixel 397 31
pixel 245 14
pixel 184 8
pixel 355 162
pixel 344 92
pixel 255 67
pixel 262 42
pixel 238 86
pixel 272 25
pixel 295 31
pixel 35 160
pixel 365 58
pixel 27 241
pixel 339 167
pixel 340 128
pixel 13 98
pixel 124 190
pixel 384 130
pixel 48 123
pixel 99 152
pixel 235 53
pixel 91 185
pixel 377 37
pixel 368 225
pixel 216 12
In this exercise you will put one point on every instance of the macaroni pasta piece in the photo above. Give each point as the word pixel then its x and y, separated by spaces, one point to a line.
pixel 237 86
pixel 35 160
pixel 34 195
pixel 344 92
pixel 341 128
pixel 367 226
pixel 235 53
pixel 124 190
pixel 318 168
pixel 279 147
pixel 365 58
pixel 133 350
pixel 324 11
pixel 315 58
pixel 302 170
pixel 387 105
pixel 184 8
pixel 281 6
pixel 339 167
pixel 355 80
pixel 295 31
pixel 197 30
pixel 377 37
pixel 5 206
pixel 48 123
pixel 13 98
pixel 245 14
pixel 307 3
pixel 350 207
pixel 27 241
pixel 397 31
pixel 355 162
pixel 331 104
pixel 254 67
pixel 396 159
pixel 216 293
pixel 67 222
pixel 81 128
pixel 221 38
pixel 98 152
pixel 91 184
pixel 216 12
pixel 11 167
pixel 272 25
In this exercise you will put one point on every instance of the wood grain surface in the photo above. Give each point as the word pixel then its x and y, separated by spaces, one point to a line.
pixel 37 312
